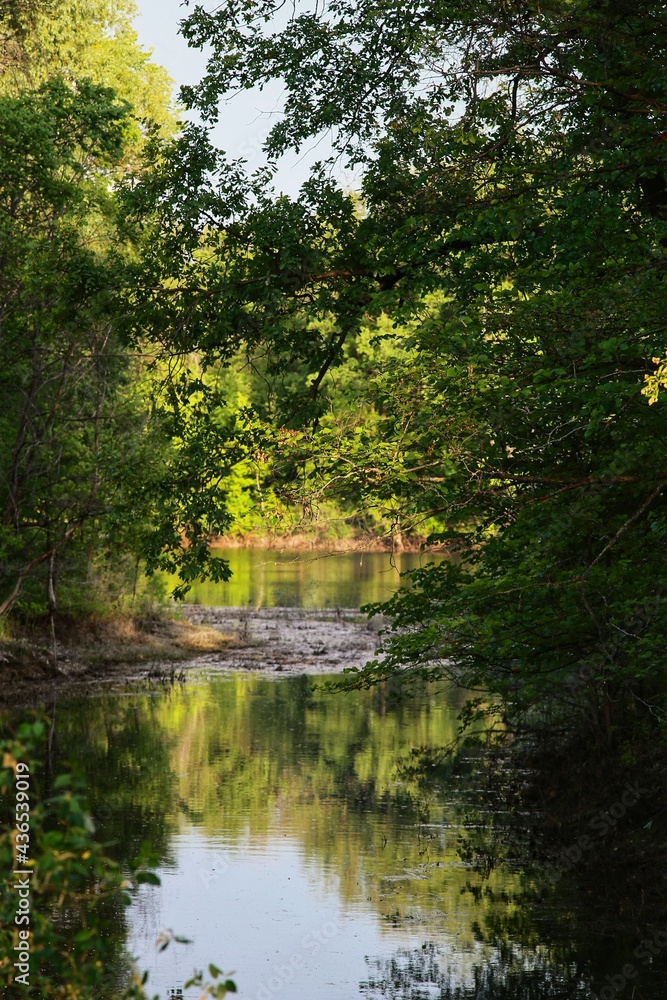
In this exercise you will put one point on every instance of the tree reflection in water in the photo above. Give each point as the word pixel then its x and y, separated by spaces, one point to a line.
pixel 424 974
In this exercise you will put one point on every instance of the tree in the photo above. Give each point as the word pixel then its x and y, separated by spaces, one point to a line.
pixel 83 39
pixel 513 222
pixel 97 463
pixel 58 366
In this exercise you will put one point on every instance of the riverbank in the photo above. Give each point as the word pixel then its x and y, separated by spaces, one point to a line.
pixel 321 542
pixel 95 654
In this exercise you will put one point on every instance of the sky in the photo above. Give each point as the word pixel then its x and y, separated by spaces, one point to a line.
pixel 245 121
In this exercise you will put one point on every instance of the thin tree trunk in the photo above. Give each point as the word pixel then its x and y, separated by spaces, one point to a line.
pixel 52 602
pixel 9 601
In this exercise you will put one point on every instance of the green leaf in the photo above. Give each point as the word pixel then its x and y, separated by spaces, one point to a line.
pixel 148 877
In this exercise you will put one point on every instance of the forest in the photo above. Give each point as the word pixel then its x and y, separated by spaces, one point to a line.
pixel 466 349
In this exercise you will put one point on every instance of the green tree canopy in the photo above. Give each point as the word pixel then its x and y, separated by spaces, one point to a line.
pixel 93 463
pixel 83 39
pixel 512 224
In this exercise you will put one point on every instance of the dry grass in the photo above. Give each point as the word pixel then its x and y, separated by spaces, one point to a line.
pixel 126 639
pixel 321 543
pixel 95 650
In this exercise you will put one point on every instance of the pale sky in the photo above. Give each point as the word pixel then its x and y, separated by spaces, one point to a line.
pixel 245 121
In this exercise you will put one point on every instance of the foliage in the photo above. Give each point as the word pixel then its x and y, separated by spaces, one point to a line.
pixel 512 224
pixel 96 458
pixel 60 364
pixel 655 381
pixel 76 892
pixel 468 345
pixel 75 40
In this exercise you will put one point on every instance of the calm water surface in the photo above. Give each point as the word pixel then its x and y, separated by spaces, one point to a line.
pixel 273 578
pixel 297 849
pixel 291 848
pixel 297 853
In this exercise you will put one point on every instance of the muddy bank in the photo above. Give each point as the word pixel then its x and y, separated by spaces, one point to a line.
pixel 95 655
pixel 94 652
pixel 288 640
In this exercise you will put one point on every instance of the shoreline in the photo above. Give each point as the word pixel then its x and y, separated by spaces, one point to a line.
pixel 314 543
pixel 94 655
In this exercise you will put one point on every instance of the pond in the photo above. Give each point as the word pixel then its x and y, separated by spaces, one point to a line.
pixel 307 579
pixel 300 849
pixel 297 850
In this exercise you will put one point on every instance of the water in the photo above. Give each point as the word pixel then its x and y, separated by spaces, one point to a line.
pixel 298 850
pixel 274 578
pixel 299 854
pixel 291 849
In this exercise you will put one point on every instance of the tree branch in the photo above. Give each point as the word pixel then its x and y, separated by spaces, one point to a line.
pixel 7 603
pixel 624 527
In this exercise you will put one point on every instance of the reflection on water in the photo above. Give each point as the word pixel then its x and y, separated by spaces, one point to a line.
pixel 426 972
pixel 273 578
pixel 292 851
